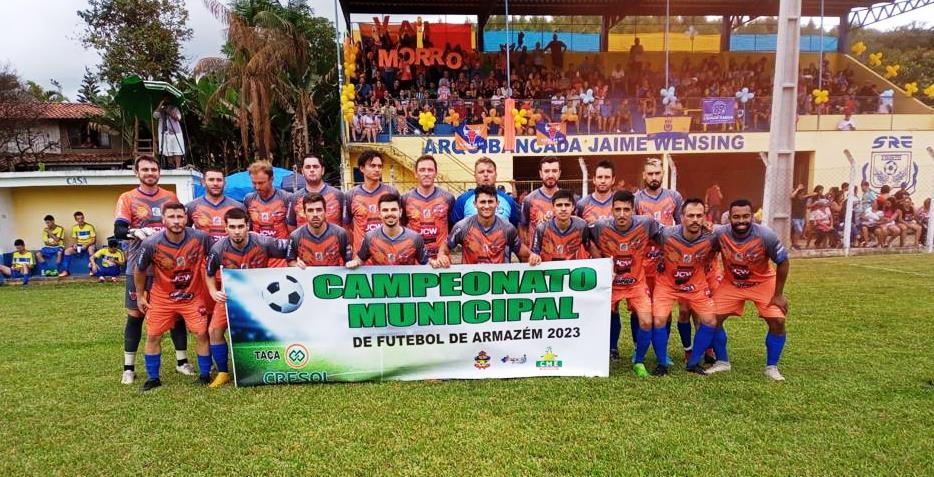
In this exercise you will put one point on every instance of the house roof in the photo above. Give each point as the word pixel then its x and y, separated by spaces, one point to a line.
pixel 67 110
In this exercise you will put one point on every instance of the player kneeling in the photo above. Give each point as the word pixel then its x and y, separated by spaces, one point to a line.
pixel 176 254
pixel 238 250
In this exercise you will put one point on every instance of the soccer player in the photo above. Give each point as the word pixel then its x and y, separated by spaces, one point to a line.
pixel 138 215
pixel 486 237
pixel 685 252
pixel 111 258
pixel 239 249
pixel 663 205
pixel 625 239
pixel 267 206
pixel 206 213
pixel 313 172
pixel 391 243
pixel 747 248
pixel 85 238
pixel 176 255
pixel 318 243
pixel 598 205
pixel 426 208
pixel 363 213
pixel 53 245
pixel 485 174
pixel 23 262
pixel 563 237
pixel 537 207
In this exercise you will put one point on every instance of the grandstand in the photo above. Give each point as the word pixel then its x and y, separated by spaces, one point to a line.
pixel 887 146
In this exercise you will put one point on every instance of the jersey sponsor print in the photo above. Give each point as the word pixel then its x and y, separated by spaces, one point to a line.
pixel 428 215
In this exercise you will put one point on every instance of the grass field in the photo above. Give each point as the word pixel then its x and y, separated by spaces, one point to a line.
pixel 859 400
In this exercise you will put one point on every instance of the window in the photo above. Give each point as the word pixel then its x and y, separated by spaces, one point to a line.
pixel 81 135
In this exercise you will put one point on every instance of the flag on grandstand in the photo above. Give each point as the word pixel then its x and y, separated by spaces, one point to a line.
pixel 668 126
pixel 550 133
pixel 509 128
pixel 470 137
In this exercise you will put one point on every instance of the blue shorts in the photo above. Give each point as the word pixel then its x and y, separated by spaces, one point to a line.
pixel 107 271
pixel 797 225
pixel 51 251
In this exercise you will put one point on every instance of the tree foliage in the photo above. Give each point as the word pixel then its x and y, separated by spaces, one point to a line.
pixel 89 90
pixel 911 46
pixel 21 138
pixel 141 37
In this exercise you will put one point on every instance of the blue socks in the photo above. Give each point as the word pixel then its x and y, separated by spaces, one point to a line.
pixel 719 344
pixel 684 331
pixel 219 353
pixel 702 340
pixel 66 264
pixel 153 361
pixel 204 365
pixel 643 339
pixel 634 326
pixel 615 329
pixel 773 348
pixel 660 344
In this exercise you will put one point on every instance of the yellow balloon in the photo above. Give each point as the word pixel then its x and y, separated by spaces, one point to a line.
pixel 891 71
pixel 929 91
pixel 858 48
pixel 875 59
pixel 911 88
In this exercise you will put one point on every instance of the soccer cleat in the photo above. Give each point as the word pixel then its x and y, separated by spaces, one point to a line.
pixel 220 380
pixel 660 370
pixel 614 354
pixel 773 374
pixel 151 384
pixel 187 369
pixel 128 377
pixel 696 370
pixel 640 371
pixel 668 362
pixel 709 356
pixel 100 280
pixel 718 367
pixel 203 380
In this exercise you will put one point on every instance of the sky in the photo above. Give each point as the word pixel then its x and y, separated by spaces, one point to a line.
pixel 39 38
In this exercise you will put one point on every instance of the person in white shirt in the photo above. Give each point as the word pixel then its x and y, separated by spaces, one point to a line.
pixel 847 123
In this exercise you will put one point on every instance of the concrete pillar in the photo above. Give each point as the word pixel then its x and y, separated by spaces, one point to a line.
pixel 726 30
pixel 843 33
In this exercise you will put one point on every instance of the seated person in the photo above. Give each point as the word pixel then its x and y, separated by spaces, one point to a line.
pixel 110 258
pixel 23 262
pixel 53 246
pixel 85 238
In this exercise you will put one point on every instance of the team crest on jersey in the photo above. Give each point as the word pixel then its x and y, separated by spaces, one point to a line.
pixel 738 256
pixel 391 257
pixel 156 212
pixel 180 261
pixel 688 258
pixel 624 247
pixel 426 213
pixel 559 248
pixel 216 220
pixel 319 256
pixel 264 216
pixel 372 208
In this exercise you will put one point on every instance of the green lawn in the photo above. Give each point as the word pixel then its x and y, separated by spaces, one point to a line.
pixel 859 400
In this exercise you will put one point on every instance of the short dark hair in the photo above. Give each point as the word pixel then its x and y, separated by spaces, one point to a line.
pixel 426 157
pixel 312 156
pixel 742 203
pixel 213 169
pixel 235 213
pixel 485 189
pixel 19 243
pixel 48 217
pixel 367 156
pixel 390 197
pixel 692 200
pixel 624 196
pixel 311 198
pixel 144 158
pixel 606 164
pixel 549 160
pixel 113 243
pixel 885 189
pixel 563 194
pixel 77 213
pixel 173 206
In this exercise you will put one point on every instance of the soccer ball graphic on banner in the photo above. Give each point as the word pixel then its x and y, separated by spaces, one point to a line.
pixel 284 296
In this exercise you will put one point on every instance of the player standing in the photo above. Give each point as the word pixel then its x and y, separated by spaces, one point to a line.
pixel 176 255
pixel 238 250
pixel 426 208
pixel 391 243
pixel 747 248
pixel 598 205
pixel 486 237
pixel 685 252
pixel 484 171
pixel 363 213
pixel 267 206
pixel 313 172
pixel 625 239
pixel 563 237
pixel 537 207
pixel 206 213
pixel 138 215
pixel 318 243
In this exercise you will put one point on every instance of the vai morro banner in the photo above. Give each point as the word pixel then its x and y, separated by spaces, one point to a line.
pixel 331 324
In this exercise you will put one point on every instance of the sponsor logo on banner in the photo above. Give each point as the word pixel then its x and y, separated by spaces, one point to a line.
pixel 668 127
pixel 296 355
pixel 549 360
pixel 718 111
pixel 266 355
pixel 481 360
pixel 514 360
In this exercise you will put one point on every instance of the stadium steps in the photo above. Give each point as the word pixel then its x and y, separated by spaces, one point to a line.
pixel 904 104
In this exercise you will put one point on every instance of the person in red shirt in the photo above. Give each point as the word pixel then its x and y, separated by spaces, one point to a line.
pixel 426 208
pixel 391 244
pixel 138 215
pixel 240 249
pixel 268 207
pixel 318 243
pixel 362 209
pixel 206 213
pixel 537 207
pixel 176 256
pixel 313 173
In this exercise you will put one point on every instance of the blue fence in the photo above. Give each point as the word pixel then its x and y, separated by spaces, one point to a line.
pixel 768 42
pixel 590 42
